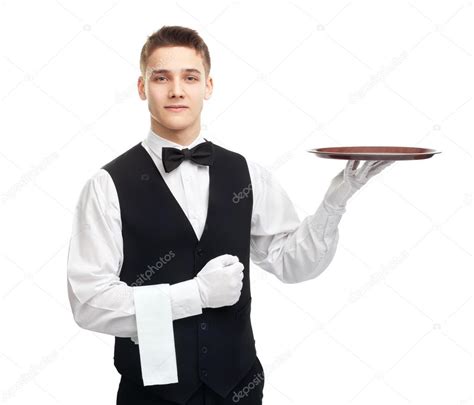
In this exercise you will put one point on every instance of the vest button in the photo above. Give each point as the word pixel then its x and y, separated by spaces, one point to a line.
pixel 204 349
pixel 203 325
pixel 204 373
pixel 199 251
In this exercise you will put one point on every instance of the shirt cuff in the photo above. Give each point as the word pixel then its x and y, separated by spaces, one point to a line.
pixel 185 299
pixel 155 334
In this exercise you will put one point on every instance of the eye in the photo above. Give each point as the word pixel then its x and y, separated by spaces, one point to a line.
pixel 157 78
pixel 192 77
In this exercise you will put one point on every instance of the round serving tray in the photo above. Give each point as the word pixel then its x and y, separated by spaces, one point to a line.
pixel 374 152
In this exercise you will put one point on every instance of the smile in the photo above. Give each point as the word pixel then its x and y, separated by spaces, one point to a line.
pixel 176 109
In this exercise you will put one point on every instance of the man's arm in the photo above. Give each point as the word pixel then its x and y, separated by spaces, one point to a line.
pixel 99 300
pixel 293 250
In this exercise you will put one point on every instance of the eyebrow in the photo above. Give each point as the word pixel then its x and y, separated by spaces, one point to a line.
pixel 188 70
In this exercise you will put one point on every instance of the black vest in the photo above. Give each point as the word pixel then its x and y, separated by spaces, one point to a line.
pixel 217 347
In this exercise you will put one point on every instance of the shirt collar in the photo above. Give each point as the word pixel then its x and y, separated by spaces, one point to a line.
pixel 156 142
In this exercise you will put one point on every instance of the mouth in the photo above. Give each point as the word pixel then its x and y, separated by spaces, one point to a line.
pixel 176 108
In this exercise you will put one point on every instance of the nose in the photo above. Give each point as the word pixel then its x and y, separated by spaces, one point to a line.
pixel 175 89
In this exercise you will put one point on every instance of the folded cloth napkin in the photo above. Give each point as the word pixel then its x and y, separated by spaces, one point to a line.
pixel 155 334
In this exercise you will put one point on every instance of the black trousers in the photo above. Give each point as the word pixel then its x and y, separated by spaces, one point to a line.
pixel 249 391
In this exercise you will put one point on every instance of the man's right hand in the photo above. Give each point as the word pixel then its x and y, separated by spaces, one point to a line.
pixel 220 281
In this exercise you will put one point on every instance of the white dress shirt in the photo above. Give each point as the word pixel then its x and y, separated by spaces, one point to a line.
pixel 281 244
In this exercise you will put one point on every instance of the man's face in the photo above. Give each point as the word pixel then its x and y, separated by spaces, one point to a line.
pixel 175 76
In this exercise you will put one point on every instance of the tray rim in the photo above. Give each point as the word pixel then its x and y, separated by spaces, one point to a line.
pixel 368 155
pixel 426 150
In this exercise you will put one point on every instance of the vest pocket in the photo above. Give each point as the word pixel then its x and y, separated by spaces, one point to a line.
pixel 244 309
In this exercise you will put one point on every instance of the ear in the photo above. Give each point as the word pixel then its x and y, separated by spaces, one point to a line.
pixel 141 88
pixel 209 88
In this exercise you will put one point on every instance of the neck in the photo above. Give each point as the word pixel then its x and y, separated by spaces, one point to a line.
pixel 183 137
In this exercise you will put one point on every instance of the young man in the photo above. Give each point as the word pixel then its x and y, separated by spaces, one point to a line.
pixel 164 233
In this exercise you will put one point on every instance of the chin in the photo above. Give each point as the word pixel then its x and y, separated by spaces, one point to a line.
pixel 176 124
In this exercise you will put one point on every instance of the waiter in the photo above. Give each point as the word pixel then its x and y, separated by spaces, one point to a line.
pixel 163 235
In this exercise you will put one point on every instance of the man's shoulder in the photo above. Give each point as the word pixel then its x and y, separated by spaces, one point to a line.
pixel 122 159
pixel 227 153
pixel 257 170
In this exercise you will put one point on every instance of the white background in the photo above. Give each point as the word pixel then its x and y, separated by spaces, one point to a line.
pixel 390 320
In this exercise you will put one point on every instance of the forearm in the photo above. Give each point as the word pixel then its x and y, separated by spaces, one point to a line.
pixel 112 310
pixel 306 252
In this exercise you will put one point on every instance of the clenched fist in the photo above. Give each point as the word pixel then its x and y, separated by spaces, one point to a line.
pixel 220 281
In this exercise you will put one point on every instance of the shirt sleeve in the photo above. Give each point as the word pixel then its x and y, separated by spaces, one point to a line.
pixel 99 300
pixel 292 250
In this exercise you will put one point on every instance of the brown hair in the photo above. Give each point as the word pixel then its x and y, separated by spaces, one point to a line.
pixel 175 36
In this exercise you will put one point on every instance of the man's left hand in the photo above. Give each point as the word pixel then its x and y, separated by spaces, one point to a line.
pixel 349 180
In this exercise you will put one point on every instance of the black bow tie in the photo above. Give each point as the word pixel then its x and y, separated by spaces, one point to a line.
pixel 201 154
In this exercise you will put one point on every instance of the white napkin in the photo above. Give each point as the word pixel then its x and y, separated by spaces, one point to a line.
pixel 155 334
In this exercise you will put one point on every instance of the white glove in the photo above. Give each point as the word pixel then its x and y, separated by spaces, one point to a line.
pixel 220 281
pixel 349 180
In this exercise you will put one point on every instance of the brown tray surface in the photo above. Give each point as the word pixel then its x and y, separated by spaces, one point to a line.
pixel 374 152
